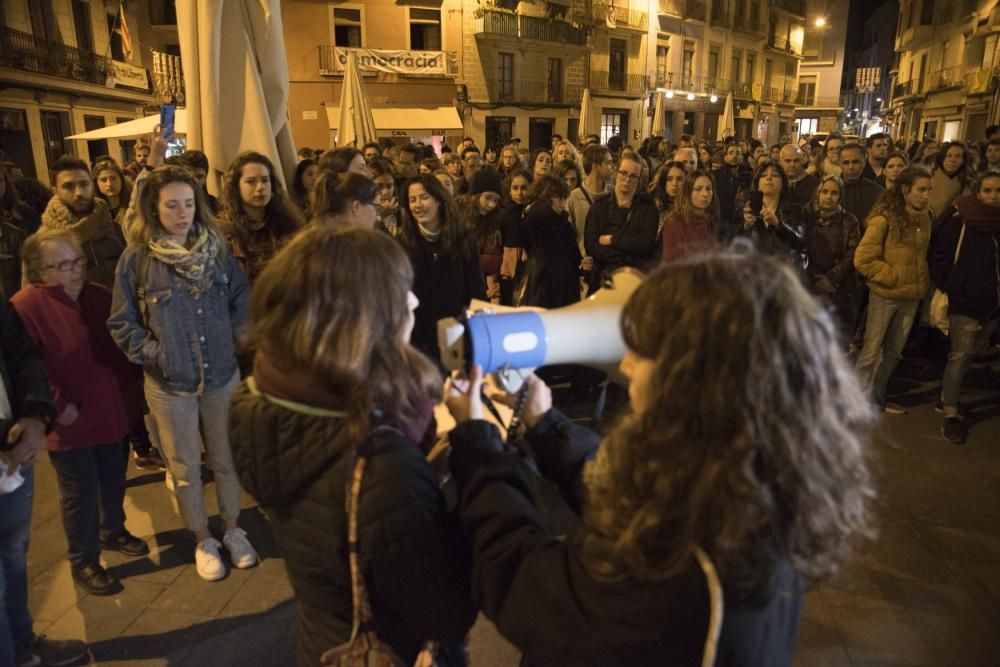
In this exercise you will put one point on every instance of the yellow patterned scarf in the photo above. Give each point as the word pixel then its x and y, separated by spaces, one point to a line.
pixel 194 264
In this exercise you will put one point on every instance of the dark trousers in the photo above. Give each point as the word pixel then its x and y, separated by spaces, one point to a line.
pixel 15 525
pixel 92 492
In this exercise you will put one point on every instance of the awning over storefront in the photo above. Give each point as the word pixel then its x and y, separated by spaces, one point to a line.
pixel 407 121
pixel 134 128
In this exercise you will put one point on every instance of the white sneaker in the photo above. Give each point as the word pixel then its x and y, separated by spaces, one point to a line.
pixel 240 551
pixel 208 561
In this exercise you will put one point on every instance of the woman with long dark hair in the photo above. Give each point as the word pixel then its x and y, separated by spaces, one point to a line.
pixel 517 189
pixel 776 225
pixel 701 519
pixel 690 228
pixel 480 211
pixel 552 271
pixel 895 163
pixel 114 188
pixel 306 172
pixel 666 187
pixel 541 163
pixel 334 378
pixel 445 258
pixel 257 216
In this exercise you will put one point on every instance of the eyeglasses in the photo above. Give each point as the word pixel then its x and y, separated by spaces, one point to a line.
pixel 67 265
pixel 627 176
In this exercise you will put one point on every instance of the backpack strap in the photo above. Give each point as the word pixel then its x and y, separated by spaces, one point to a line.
pixel 140 288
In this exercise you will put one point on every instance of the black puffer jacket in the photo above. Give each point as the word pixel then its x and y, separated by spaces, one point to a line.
pixel 537 589
pixel 413 554
pixel 973 283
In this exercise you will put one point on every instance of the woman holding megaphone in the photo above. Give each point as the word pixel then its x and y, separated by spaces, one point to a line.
pixel 702 516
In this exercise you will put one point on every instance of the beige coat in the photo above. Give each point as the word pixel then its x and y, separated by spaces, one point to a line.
pixel 894 262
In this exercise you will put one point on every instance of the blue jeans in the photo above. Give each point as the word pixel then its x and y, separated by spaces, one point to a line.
pixel 967 337
pixel 888 326
pixel 15 525
pixel 91 496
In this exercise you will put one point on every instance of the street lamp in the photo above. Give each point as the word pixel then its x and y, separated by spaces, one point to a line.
pixel 714 98
pixel 690 96
pixel 670 94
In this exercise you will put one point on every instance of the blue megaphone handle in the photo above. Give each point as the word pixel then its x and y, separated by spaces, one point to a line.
pixel 515 340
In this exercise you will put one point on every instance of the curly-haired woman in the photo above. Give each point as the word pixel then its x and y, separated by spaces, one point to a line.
pixel 892 258
pixel 257 216
pixel 702 519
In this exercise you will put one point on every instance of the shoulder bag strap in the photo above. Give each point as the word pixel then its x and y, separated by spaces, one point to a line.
pixel 716 608
pixel 359 593
pixel 958 246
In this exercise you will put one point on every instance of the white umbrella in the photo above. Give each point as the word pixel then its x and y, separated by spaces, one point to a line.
pixel 236 79
pixel 658 118
pixel 134 128
pixel 356 126
pixel 586 113
pixel 727 124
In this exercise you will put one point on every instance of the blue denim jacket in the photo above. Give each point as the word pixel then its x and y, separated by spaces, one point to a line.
pixel 187 344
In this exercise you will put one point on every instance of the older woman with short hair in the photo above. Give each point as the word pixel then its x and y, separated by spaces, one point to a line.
pixel 65 316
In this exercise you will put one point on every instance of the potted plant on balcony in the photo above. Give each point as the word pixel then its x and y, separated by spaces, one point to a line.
pixel 500 6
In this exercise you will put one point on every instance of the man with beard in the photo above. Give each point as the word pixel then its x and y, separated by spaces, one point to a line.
pixel 877 146
pixel 75 208
pixel 730 178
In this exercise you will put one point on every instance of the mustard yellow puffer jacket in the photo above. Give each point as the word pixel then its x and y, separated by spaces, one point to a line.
pixel 894 261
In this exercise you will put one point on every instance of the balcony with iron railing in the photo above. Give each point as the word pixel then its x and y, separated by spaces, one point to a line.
pixel 329 63
pixel 520 91
pixel 778 95
pixel 619 16
pixel 748 26
pixel 785 45
pixel 618 82
pixel 813 101
pixel 23 51
pixel 949 77
pixel 904 89
pixel 797 7
pixel 707 85
pixel 496 23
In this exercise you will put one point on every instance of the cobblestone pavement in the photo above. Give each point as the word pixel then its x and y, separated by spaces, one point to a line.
pixel 926 592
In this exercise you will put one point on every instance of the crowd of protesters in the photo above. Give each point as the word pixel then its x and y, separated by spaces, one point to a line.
pixel 288 338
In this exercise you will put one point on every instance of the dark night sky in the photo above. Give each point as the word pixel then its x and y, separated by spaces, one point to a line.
pixel 859 11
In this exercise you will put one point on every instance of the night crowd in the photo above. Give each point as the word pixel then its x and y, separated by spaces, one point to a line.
pixel 287 339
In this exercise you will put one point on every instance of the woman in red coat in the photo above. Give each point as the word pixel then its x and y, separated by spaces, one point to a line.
pixel 65 316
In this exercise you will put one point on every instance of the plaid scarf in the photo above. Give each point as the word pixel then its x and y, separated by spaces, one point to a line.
pixel 194 264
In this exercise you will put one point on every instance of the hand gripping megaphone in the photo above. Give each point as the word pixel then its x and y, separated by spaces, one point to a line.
pixel 512 344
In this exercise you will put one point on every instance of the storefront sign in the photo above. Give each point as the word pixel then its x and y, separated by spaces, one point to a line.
pixel 394 62
pixel 129 76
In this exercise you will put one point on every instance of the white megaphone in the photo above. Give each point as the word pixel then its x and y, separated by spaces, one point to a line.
pixel 512 344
